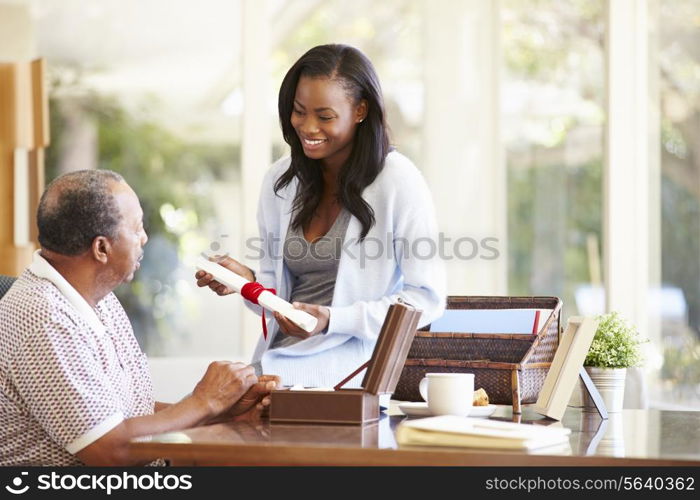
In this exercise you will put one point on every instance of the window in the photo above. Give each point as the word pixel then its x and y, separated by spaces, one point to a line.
pixel 552 106
pixel 148 105
pixel 525 90
pixel 679 296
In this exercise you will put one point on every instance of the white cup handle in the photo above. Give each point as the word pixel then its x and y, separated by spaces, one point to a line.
pixel 423 388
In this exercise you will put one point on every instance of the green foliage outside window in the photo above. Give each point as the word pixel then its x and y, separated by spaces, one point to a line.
pixel 172 178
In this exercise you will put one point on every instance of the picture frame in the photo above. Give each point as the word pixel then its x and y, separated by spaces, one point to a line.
pixel 567 367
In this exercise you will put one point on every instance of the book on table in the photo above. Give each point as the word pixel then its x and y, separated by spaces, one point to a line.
pixel 468 432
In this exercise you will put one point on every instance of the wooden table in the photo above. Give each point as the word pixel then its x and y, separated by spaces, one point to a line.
pixel 634 437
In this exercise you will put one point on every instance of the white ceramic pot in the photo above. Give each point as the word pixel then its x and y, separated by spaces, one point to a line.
pixel 610 382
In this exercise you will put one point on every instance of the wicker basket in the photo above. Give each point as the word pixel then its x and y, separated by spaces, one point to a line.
pixel 511 368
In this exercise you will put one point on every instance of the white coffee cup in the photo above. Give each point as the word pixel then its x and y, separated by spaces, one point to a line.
pixel 448 393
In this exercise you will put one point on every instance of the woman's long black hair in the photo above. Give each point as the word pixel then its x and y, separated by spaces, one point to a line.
pixel 371 144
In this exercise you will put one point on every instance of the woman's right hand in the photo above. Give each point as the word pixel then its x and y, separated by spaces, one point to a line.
pixel 206 279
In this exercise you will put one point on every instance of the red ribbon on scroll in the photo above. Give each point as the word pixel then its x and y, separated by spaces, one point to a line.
pixel 251 291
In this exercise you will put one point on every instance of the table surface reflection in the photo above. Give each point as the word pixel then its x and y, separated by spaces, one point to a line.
pixel 633 437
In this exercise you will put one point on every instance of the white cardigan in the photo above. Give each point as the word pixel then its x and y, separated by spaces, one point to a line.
pixel 366 285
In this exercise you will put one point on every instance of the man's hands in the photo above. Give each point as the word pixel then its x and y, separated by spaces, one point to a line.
pixel 322 314
pixel 227 391
pixel 206 279
pixel 223 385
pixel 233 392
pixel 254 402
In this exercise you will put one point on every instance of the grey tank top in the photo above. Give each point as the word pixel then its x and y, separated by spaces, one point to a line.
pixel 313 266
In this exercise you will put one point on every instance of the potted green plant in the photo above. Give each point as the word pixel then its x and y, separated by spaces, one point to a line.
pixel 616 346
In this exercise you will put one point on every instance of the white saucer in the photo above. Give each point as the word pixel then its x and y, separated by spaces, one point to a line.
pixel 482 411
pixel 417 409
pixel 420 409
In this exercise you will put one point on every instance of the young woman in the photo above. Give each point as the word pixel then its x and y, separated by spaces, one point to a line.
pixel 347 223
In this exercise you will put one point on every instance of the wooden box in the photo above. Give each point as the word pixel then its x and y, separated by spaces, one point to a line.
pixel 511 368
pixel 355 406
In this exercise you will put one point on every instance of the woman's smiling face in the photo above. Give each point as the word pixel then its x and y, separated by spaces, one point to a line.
pixel 325 118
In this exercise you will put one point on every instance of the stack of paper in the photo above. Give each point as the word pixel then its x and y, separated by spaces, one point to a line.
pixel 498 321
pixel 479 433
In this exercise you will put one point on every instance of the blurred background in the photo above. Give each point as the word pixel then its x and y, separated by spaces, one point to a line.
pixel 567 131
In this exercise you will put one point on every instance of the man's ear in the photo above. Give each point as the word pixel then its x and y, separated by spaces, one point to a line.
pixel 361 111
pixel 101 249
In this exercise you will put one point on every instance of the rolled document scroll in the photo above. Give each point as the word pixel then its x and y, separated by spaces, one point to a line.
pixel 268 300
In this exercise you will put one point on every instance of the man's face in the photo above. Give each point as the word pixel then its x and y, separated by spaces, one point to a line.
pixel 127 247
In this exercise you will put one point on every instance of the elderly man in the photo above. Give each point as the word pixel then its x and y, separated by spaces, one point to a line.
pixel 74 384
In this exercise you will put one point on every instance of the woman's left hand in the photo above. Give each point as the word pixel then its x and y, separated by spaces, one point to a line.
pixel 321 313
